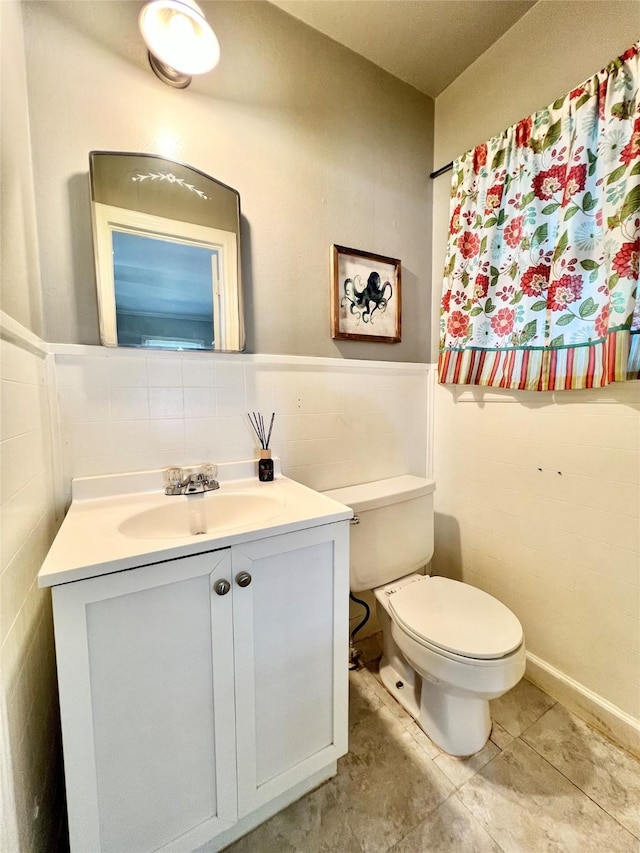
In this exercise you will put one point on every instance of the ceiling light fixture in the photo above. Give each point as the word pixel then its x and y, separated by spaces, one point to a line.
pixel 180 41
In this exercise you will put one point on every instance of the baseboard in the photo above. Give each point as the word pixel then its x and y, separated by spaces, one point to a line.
pixel 593 709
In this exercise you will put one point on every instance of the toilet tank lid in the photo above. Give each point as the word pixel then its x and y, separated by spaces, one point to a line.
pixel 379 493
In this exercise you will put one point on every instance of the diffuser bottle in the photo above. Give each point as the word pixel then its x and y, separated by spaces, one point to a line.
pixel 265 466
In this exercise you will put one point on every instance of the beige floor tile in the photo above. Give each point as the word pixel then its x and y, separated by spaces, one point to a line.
pixel 424 741
pixel 448 829
pixel 315 824
pixel 387 783
pixel 527 805
pixel 500 736
pixel 520 707
pixel 384 787
pixel 460 770
pixel 608 774
pixel 363 698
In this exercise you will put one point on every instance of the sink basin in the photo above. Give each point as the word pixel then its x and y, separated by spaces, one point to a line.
pixel 206 513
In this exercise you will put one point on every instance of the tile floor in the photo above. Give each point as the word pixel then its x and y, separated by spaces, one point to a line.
pixel 545 781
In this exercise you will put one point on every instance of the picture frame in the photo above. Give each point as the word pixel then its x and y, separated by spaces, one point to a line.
pixel 366 296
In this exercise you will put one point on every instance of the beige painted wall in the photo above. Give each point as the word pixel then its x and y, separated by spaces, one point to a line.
pixel 538 497
pixel 550 50
pixel 323 147
pixel 19 266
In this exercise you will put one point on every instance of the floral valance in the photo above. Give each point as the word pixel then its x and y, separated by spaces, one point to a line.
pixel 541 272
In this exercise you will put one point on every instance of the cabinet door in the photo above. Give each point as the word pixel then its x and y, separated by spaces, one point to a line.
pixel 149 754
pixel 291 648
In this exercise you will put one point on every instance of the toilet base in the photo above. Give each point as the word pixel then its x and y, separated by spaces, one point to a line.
pixel 459 725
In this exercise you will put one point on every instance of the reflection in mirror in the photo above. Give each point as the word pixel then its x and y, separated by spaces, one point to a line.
pixel 166 242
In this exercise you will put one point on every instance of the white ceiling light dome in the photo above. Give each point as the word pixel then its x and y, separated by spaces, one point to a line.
pixel 180 41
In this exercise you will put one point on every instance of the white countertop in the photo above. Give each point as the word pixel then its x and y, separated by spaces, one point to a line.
pixel 90 542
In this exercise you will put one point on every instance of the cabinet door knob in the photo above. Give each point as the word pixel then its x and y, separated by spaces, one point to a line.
pixel 222 587
pixel 243 579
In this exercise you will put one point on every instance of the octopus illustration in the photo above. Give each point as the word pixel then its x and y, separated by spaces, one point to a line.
pixel 373 297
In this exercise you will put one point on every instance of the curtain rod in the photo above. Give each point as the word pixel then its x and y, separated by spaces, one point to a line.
pixel 442 170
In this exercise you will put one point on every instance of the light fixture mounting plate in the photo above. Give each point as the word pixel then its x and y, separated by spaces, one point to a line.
pixel 167 74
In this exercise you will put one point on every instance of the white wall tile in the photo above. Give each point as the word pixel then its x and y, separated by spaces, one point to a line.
pixel 199 402
pixel 166 402
pixel 200 433
pixel 20 407
pixel 230 401
pixel 129 404
pixel 167 435
pixel 127 372
pixel 20 513
pixel 259 399
pixel 27 526
pixel 229 374
pixel 79 403
pixel 83 370
pixel 129 437
pixel 164 372
pixel 326 415
pixel 198 373
pixel 91 439
pixel 16 463
pixel 18 365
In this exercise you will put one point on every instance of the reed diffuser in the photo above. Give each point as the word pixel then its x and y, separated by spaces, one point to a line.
pixel 265 463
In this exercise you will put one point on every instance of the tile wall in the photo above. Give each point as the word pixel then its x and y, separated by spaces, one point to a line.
pixel 538 502
pixel 337 422
pixel 30 750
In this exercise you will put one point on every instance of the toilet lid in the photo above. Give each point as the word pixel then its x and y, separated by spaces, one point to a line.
pixel 456 617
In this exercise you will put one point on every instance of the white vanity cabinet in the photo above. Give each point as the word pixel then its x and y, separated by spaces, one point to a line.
pixel 188 715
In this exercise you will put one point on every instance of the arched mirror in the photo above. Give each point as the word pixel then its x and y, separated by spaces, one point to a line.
pixel 167 249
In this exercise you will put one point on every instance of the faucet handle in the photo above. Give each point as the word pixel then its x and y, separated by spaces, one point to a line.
pixel 209 472
pixel 172 476
pixel 173 480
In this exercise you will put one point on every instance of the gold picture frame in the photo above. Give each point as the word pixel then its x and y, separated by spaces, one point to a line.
pixel 366 296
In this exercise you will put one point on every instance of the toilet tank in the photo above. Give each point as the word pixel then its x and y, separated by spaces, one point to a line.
pixel 394 533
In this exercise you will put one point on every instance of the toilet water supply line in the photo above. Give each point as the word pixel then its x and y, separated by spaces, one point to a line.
pixel 354 654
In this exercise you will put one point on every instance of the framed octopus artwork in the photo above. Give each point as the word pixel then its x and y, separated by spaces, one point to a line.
pixel 366 296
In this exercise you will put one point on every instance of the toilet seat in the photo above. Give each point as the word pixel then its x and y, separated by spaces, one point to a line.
pixel 456 619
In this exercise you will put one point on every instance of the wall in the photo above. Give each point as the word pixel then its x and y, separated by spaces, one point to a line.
pixel 19 263
pixel 30 760
pixel 323 147
pixel 337 422
pixel 31 742
pixel 537 496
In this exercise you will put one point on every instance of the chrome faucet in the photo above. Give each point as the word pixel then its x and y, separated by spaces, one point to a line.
pixel 178 482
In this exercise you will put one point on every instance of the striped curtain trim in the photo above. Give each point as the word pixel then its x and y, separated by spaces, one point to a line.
pixel 614 359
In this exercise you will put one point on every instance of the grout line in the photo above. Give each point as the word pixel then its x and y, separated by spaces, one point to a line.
pixel 575 784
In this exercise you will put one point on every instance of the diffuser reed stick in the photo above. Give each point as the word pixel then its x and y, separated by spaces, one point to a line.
pixel 257 422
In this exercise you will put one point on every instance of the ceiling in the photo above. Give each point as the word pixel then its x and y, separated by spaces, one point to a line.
pixel 426 43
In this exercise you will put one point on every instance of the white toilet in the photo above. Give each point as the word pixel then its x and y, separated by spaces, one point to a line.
pixel 448 648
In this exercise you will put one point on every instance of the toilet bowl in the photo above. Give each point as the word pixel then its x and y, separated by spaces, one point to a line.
pixel 465 647
pixel 448 648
